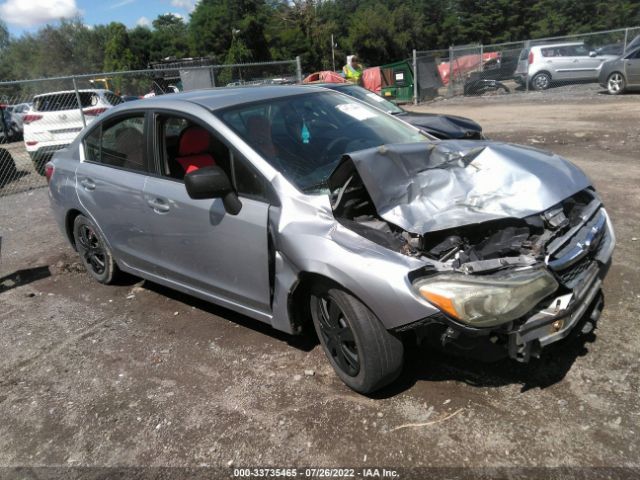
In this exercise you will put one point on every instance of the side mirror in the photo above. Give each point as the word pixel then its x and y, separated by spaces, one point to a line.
pixel 593 54
pixel 212 182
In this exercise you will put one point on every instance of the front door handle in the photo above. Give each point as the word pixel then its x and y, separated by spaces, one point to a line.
pixel 88 184
pixel 159 205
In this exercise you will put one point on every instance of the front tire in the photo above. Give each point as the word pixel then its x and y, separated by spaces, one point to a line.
pixel 361 351
pixel 616 83
pixel 541 81
pixel 93 250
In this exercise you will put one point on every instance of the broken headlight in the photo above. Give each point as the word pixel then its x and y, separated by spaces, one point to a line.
pixel 486 301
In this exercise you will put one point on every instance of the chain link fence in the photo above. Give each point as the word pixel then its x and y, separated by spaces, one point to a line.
pixel 41 116
pixel 533 65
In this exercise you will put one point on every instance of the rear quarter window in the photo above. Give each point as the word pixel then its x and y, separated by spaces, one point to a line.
pixel 63 101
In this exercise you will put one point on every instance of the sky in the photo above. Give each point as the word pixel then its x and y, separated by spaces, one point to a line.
pixel 25 16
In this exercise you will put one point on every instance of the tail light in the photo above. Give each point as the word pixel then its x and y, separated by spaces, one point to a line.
pixel 31 143
pixel 94 112
pixel 530 58
pixel 48 171
pixel 30 118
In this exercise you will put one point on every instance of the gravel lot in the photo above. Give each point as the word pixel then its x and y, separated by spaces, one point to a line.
pixel 137 375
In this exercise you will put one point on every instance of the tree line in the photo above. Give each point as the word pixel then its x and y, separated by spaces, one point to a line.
pixel 236 31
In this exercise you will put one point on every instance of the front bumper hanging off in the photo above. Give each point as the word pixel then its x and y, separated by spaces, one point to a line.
pixel 580 262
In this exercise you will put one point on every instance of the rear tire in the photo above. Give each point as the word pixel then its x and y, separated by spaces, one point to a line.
pixel 541 81
pixel 96 256
pixel 361 351
pixel 616 83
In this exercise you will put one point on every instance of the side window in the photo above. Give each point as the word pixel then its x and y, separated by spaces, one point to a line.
pixel 248 182
pixel 580 51
pixel 118 144
pixel 185 146
pixel 92 145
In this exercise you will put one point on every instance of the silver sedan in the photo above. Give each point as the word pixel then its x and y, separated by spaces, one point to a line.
pixel 302 206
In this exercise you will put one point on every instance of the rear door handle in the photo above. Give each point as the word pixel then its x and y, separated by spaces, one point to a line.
pixel 159 205
pixel 88 184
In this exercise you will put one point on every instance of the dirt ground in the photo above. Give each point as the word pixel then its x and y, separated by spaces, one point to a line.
pixel 137 375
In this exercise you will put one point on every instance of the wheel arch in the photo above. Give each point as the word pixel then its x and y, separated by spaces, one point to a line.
pixel 546 72
pixel 621 72
pixel 298 306
pixel 70 218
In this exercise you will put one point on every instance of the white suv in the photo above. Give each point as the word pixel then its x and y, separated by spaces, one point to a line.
pixel 55 119
pixel 559 62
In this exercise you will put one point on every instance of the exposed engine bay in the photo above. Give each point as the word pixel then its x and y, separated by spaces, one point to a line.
pixel 474 210
pixel 484 247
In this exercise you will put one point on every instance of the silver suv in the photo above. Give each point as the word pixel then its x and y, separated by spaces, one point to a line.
pixel 56 118
pixel 558 62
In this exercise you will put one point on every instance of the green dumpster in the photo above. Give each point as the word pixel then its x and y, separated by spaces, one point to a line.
pixel 397 82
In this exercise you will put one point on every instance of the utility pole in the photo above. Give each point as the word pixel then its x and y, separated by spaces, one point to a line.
pixel 333 54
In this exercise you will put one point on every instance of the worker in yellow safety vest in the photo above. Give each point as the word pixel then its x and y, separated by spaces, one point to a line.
pixel 352 70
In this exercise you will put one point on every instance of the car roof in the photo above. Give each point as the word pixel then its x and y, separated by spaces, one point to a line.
pixel 218 98
pixel 565 44
pixel 91 90
pixel 330 84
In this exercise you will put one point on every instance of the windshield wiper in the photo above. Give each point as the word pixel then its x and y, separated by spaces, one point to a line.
pixel 315 186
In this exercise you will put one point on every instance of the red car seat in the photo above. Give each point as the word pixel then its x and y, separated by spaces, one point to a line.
pixel 193 149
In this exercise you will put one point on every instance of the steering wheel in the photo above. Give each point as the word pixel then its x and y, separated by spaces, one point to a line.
pixel 333 144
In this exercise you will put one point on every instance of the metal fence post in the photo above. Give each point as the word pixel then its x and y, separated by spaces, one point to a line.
pixel 450 86
pixel 527 46
pixel 213 76
pixel 298 69
pixel 481 57
pixel 415 77
pixel 75 87
pixel 626 38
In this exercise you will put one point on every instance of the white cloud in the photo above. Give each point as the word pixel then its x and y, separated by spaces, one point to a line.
pixel 119 4
pixel 143 22
pixel 188 5
pixel 27 13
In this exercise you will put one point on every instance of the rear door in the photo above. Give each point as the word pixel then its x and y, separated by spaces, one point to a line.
pixel 197 244
pixel 559 61
pixel 110 182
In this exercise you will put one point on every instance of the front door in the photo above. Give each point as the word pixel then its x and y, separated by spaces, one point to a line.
pixel 197 244
pixel 632 68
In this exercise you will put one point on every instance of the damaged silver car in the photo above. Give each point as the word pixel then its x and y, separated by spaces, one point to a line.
pixel 299 206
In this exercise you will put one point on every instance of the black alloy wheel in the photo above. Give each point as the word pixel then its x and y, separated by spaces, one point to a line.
pixel 94 251
pixel 91 250
pixel 338 336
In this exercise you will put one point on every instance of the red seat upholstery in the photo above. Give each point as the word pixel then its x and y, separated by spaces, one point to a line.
pixel 193 149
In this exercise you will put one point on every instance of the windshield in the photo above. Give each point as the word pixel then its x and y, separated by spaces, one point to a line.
pixel 304 136
pixel 371 98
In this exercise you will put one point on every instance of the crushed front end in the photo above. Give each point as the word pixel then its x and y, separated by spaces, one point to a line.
pixel 499 275
pixel 553 265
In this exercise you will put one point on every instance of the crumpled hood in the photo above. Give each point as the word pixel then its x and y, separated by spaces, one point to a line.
pixel 435 186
